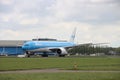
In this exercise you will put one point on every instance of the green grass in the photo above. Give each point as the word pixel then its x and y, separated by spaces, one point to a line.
pixel 62 76
pixel 83 63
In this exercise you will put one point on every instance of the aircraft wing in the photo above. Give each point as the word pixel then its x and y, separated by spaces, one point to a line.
pixel 86 44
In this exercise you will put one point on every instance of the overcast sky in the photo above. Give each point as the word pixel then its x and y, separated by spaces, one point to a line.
pixel 97 21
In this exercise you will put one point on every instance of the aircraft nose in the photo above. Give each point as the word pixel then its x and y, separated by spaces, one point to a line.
pixel 23 47
pixel 27 46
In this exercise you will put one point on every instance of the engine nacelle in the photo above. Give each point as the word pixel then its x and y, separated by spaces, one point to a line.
pixel 61 51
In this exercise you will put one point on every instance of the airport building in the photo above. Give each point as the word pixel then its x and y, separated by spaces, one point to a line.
pixel 14 47
pixel 11 47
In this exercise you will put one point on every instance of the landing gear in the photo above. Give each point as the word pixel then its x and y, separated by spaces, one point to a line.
pixel 27 54
pixel 60 55
pixel 44 54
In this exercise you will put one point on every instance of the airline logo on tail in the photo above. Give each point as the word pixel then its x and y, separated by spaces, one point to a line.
pixel 73 35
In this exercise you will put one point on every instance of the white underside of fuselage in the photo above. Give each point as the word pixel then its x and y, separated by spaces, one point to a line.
pixel 40 50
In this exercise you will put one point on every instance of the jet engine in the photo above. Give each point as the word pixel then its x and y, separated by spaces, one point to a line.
pixel 61 52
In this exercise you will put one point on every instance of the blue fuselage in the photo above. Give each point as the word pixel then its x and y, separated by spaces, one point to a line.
pixel 31 45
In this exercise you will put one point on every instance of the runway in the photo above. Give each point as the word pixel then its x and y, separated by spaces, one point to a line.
pixel 53 71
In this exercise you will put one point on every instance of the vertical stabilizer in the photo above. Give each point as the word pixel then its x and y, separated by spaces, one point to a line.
pixel 73 35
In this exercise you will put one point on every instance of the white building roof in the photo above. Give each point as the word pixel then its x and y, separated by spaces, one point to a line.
pixel 11 43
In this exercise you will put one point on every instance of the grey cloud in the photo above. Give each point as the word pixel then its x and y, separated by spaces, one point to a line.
pixel 99 12
pixel 79 10
pixel 34 8
pixel 5 8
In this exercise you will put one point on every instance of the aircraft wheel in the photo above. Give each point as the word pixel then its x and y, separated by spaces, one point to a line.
pixel 27 54
pixel 44 55
pixel 61 55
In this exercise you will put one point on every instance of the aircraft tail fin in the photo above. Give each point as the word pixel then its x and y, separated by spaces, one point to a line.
pixel 73 35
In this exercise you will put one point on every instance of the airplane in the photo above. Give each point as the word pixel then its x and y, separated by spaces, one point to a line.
pixel 59 47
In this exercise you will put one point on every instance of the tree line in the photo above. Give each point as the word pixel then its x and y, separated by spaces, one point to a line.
pixel 91 49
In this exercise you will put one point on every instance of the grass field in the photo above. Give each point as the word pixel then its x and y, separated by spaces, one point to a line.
pixel 61 76
pixel 83 63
